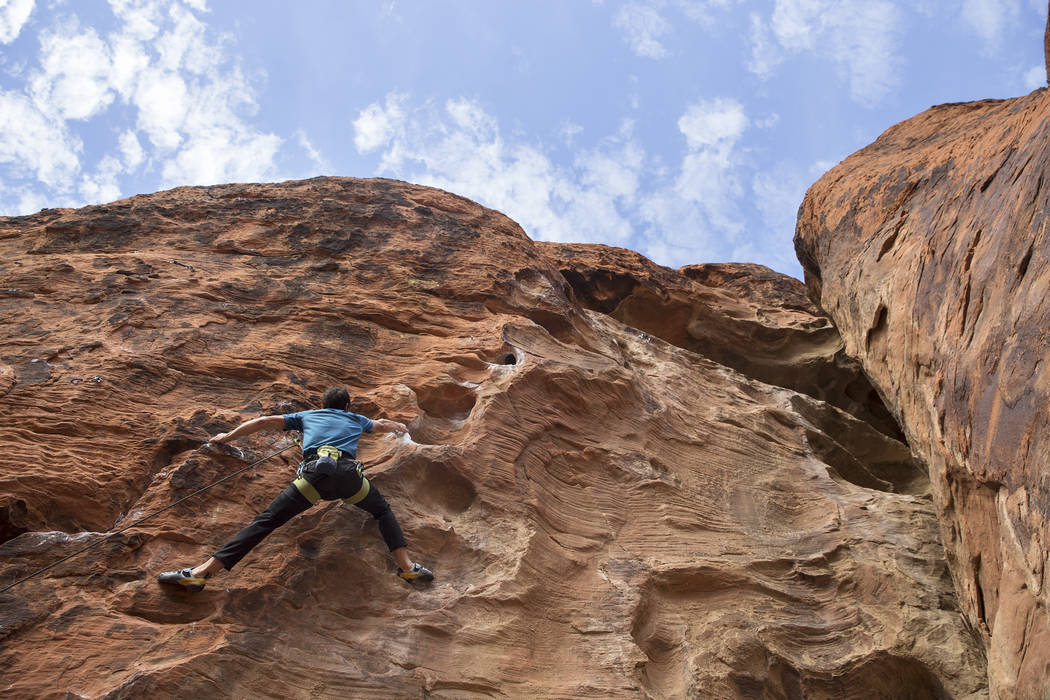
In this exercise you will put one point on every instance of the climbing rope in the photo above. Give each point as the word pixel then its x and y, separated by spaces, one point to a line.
pixel 142 520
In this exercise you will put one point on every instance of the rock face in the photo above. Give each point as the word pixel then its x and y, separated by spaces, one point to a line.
pixel 630 481
pixel 747 317
pixel 929 249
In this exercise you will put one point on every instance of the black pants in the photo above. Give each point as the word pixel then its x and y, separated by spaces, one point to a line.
pixel 290 503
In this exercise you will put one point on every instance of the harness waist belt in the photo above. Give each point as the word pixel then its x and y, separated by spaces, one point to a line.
pixel 326 451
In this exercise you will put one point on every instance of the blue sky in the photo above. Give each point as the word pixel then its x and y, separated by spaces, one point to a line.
pixel 688 130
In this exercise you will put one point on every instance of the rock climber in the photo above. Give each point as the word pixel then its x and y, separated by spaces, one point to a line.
pixel 329 471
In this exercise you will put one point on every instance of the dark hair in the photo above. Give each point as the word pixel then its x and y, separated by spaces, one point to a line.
pixel 335 397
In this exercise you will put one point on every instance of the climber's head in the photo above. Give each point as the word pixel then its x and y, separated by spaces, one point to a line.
pixel 336 397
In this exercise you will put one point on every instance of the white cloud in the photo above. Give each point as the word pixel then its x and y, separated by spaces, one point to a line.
pixel 216 144
pixel 29 202
pixel 73 78
pixel 459 146
pixel 569 132
pixel 13 16
pixel 778 193
pixel 989 19
pixel 222 154
pixel 704 11
pixel 36 144
pixel 701 212
pixel 128 61
pixel 1035 77
pixel 131 149
pixel 719 121
pixel 857 36
pixel 769 122
pixel 319 161
pixel 709 171
pixel 102 185
pixel 184 46
pixel 166 69
pixel 163 101
pixel 376 125
pixel 766 54
pixel 642 26
pixel 141 18
pixel 611 193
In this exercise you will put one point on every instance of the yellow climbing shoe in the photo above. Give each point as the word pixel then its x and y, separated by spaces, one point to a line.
pixel 416 573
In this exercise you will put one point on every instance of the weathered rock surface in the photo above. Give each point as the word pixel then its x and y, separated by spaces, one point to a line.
pixel 611 511
pixel 929 249
pixel 747 317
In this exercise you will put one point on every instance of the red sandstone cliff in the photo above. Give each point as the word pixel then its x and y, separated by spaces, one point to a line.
pixel 929 250
pixel 630 481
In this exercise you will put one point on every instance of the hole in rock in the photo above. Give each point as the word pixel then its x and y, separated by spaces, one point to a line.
pixel 506 354
pixel 172 446
pixel 599 290
pixel 1022 269
pixel 887 245
pixel 878 325
pixel 432 486
pixel 12 514
pixel 448 400
pixel 882 675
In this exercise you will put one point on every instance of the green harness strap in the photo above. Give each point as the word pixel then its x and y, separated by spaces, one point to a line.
pixel 310 493
pixel 308 490
pixel 361 493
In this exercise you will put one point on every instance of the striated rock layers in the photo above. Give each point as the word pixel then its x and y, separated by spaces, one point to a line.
pixel 929 249
pixel 630 481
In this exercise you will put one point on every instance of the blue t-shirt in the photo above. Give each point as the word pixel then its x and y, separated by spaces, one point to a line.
pixel 329 426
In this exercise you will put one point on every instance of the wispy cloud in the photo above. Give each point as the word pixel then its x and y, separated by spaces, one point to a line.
pixel 459 146
pixel 189 101
pixel 320 162
pixel 612 192
pixel 13 16
pixel 858 36
pixel 1035 77
pixel 705 12
pixel 642 27
pixel 644 24
pixel 989 19
pixel 35 143
pixel 777 192
pixel 700 212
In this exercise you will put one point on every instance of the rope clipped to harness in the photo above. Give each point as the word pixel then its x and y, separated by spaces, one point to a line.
pixel 144 519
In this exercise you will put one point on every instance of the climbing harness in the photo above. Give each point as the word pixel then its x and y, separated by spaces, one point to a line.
pixel 326 461
pixel 151 515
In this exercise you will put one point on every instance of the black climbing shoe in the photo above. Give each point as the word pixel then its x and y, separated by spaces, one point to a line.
pixel 416 573
pixel 184 578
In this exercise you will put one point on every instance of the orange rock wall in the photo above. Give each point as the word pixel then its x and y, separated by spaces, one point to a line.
pixel 609 514
pixel 929 249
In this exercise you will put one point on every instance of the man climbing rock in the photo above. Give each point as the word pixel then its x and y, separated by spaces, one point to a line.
pixel 329 471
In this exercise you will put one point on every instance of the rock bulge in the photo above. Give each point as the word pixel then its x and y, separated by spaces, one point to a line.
pixel 630 481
